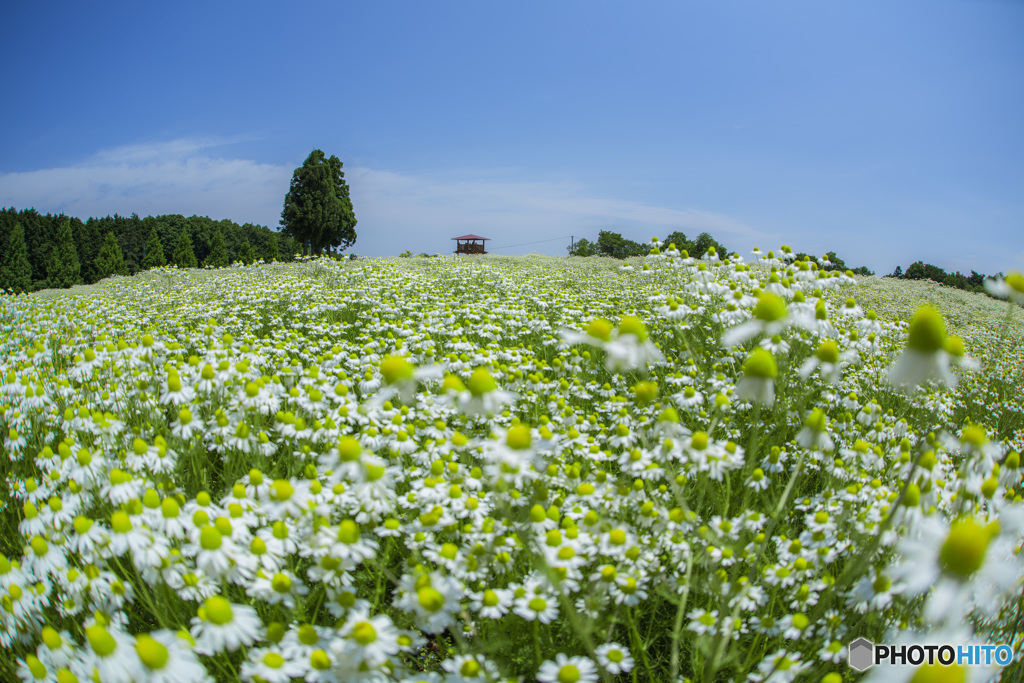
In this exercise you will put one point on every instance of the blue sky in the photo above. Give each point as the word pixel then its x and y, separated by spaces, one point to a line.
pixel 886 131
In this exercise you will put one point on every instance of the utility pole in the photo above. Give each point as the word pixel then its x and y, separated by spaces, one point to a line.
pixel 572 243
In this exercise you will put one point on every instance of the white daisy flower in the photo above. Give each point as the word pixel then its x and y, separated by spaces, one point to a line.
pixel 564 668
pixel 221 625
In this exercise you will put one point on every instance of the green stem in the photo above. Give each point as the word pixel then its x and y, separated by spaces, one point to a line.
pixel 677 626
pixel 638 645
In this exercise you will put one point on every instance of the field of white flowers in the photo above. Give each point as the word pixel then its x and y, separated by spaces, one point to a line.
pixel 489 469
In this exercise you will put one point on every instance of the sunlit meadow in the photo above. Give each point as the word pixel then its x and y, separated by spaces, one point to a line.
pixel 489 469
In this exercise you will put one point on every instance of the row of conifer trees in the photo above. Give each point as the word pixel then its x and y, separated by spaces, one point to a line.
pixel 39 251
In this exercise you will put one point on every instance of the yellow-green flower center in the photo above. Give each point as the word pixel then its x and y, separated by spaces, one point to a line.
pixel 937 673
pixel 210 538
pixel 770 308
pixel 348 532
pixel 963 551
pixel 319 660
pixel 281 583
pixel 481 382
pixel 633 326
pixel 102 643
pixel 760 363
pixel 218 610
pixel 600 329
pixel 396 369
pixel 568 674
pixel 828 352
pixel 364 633
pixel 35 667
pixel 927 331
pixel 518 438
pixel 153 654
pixel 430 598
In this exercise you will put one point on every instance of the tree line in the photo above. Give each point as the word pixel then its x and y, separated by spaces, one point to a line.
pixel 613 244
pixel 53 250
pixel 975 282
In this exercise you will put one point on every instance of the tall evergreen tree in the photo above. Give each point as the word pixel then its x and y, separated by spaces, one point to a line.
pixel 88 242
pixel 317 209
pixel 63 268
pixel 110 260
pixel 154 251
pixel 246 254
pixel 15 270
pixel 184 257
pixel 218 257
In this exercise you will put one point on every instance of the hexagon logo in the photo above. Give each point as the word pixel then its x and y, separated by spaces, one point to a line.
pixel 861 654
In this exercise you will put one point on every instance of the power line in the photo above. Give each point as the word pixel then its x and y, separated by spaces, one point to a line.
pixel 526 244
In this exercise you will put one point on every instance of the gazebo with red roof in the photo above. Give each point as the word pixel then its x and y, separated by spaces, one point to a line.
pixel 470 244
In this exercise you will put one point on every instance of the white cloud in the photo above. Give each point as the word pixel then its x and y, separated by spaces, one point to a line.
pixel 395 211
pixel 423 215
pixel 172 177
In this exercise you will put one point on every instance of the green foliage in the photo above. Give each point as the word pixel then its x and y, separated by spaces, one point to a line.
pixel 271 254
pixel 679 239
pixel 583 247
pixel 63 268
pixel 184 257
pixel 135 237
pixel 154 251
pixel 88 242
pixel 615 245
pixel 218 256
pixel 15 271
pixel 704 242
pixel 246 254
pixel 110 260
pixel 831 261
pixel 317 209
pixel 919 270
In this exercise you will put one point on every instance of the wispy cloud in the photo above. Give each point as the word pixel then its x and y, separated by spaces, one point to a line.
pixel 423 214
pixel 395 211
pixel 181 176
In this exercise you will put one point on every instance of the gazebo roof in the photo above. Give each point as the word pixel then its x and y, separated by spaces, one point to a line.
pixel 471 237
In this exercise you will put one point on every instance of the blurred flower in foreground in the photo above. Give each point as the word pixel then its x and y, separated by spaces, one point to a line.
pixel 770 317
pixel 925 357
pixel 401 379
pixel 758 383
pixel 630 347
pixel 829 360
pixel 627 348
pixel 1012 287
pixel 965 563
pixel 480 395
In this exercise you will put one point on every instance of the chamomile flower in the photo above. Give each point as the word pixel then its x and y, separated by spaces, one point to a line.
pixel 111 652
pixel 223 626
pixel 564 669
pixel 268 665
pixel 1011 287
pixel 925 356
pixel 167 657
pixel 433 598
pixel 614 658
pixel 770 317
pixel 759 373
pixel 631 348
pixel 365 642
